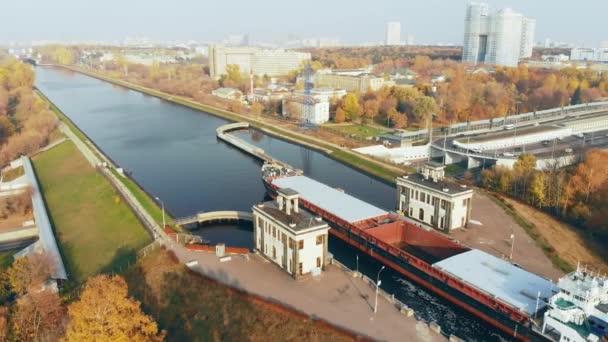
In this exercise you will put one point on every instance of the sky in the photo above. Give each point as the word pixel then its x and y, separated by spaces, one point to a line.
pixel 580 22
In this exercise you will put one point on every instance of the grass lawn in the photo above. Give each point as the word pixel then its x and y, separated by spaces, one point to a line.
pixel 6 259
pixel 12 174
pixel 191 307
pixel 96 231
pixel 359 130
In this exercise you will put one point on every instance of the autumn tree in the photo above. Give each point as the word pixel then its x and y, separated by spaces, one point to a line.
pixel 340 115
pixel 39 315
pixel 63 55
pixel 31 271
pixel 233 73
pixel 424 109
pixel 351 107
pixel 105 312
pixel 257 109
pixel 370 109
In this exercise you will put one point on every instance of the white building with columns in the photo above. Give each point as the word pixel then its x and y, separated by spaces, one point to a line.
pixel 426 197
pixel 294 240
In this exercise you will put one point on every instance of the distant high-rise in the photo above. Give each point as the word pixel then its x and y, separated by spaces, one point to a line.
pixel 502 38
pixel 393 33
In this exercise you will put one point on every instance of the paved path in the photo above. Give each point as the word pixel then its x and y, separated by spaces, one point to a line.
pixel 335 296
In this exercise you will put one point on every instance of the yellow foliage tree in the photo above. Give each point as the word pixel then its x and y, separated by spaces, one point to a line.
pixel 105 312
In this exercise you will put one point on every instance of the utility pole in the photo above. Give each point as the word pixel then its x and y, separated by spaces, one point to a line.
pixel 512 244
pixel 377 286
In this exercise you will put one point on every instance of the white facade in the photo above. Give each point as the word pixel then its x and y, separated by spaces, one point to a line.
pixel 528 31
pixel 293 240
pixel 589 54
pixel 393 33
pixel 254 60
pixel 426 198
pixel 502 38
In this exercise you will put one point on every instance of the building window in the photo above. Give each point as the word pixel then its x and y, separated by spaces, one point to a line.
pixel 464 203
pixel 318 262
pixel 442 204
pixel 284 238
pixel 416 195
pixel 411 211
pixel 301 244
pixel 412 193
pixel 422 197
pixel 428 199
pixel 441 225
pixel 319 239
pixel 421 214
pixel 432 219
pixel 300 269
pixel 274 252
pixel 274 232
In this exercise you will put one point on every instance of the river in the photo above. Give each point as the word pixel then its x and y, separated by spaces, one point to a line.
pixel 173 153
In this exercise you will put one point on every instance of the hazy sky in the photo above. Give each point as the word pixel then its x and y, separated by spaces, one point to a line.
pixel 353 21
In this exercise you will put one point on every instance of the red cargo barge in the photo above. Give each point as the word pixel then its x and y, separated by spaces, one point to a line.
pixel 494 290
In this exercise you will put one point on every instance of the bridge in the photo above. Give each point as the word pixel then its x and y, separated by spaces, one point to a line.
pixel 214 216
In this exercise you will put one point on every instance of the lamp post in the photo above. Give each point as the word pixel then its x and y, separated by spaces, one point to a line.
pixel 162 205
pixel 377 286
pixel 512 244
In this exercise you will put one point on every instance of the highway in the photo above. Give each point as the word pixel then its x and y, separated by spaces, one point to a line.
pixel 542 149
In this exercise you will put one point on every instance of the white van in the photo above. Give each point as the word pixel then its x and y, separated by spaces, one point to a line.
pixel 508 127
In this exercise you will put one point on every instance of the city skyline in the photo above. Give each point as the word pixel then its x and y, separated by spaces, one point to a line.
pixel 68 20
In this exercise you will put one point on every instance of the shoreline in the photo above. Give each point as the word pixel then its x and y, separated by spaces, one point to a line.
pixel 367 165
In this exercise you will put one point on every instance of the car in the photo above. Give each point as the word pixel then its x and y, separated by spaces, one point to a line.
pixel 545 142
pixel 508 154
pixel 580 135
pixel 508 127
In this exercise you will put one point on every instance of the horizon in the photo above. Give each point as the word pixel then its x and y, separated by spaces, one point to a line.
pixel 68 21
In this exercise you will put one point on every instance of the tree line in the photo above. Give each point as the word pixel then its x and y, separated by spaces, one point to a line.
pixel 26 122
pixel 577 194
pixel 31 308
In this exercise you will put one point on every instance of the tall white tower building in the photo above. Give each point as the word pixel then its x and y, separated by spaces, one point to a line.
pixel 393 33
pixel 528 29
pixel 502 38
pixel 475 33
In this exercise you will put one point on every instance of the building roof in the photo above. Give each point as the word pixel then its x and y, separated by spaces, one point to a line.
pixel 327 198
pixel 296 222
pixel 453 188
pixel 47 238
pixel 499 278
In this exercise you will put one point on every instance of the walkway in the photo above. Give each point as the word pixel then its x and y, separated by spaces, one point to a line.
pixel 334 297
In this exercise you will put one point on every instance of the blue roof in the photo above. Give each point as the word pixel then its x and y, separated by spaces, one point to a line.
pixel 511 284
pixel 337 202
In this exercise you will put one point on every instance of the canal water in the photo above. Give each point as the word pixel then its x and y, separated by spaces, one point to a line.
pixel 173 153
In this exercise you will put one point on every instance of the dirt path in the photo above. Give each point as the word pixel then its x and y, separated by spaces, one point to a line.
pixel 567 241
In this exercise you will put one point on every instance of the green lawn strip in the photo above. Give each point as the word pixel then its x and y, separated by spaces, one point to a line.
pixel 12 174
pixel 530 229
pixel 358 130
pixel 96 231
pixel 6 259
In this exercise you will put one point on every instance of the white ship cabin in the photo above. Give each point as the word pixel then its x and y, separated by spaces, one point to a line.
pixel 293 239
pixel 426 197
pixel 579 312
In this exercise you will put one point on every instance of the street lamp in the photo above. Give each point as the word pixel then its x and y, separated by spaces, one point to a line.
pixel 512 244
pixel 377 286
pixel 162 205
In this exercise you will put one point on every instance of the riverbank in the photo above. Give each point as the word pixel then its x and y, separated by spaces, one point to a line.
pixel 146 199
pixel 378 169
pixel 96 231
